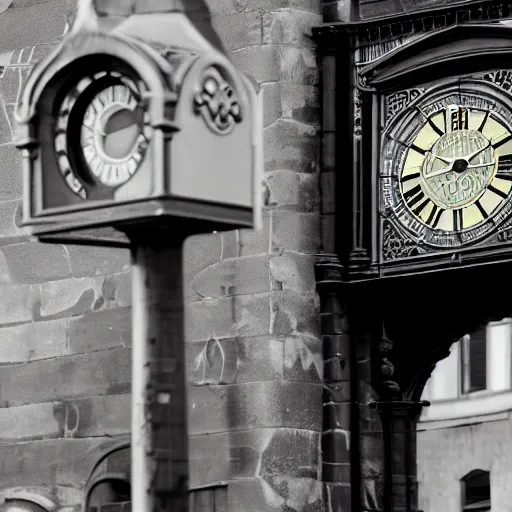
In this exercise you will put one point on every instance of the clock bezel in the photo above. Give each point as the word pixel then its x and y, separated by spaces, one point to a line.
pixel 71 107
pixel 442 94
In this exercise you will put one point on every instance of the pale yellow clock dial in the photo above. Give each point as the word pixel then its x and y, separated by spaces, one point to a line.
pixel 458 169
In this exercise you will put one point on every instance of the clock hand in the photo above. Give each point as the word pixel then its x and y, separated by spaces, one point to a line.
pixel 447 169
pixel 476 152
pixel 444 170
pixel 475 166
pixel 445 159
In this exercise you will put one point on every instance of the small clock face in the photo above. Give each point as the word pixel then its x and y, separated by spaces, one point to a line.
pixel 104 113
pixel 452 168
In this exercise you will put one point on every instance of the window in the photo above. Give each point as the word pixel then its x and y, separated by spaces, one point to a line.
pixel 108 488
pixel 213 499
pixel 20 506
pixel 474 361
pixel 476 491
pixel 110 495
pixel 23 501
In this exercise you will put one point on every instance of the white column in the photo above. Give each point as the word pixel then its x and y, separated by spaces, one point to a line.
pixel 445 377
pixel 498 355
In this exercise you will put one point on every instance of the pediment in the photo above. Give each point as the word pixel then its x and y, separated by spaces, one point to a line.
pixel 448 52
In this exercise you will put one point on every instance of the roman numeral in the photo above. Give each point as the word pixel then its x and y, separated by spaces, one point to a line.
pixel 435 127
pixel 505 164
pixel 413 196
pixel 419 150
pixel 410 177
pixel 485 215
pixel 502 141
pixel 457 118
pixel 432 214
pixel 497 191
pixel 458 222
pixel 484 120
pixel 436 220
pixel 400 208
pixel 421 207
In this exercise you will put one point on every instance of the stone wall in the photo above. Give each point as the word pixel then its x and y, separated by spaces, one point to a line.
pixel 254 353
pixel 446 455
pixel 253 333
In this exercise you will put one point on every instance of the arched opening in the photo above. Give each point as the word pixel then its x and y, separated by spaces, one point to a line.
pixel 26 502
pixel 109 494
pixel 108 488
pixel 20 505
pixel 476 491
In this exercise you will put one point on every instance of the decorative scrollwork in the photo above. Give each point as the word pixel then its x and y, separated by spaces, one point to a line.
pixel 505 235
pixel 502 78
pixel 396 246
pixel 396 102
pixel 357 114
pixel 217 102
pixel 389 388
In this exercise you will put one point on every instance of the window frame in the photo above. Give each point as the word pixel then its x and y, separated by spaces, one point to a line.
pixel 104 477
pixel 480 506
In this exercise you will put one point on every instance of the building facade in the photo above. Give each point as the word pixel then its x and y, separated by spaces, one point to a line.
pixel 464 437
pixel 252 325
pixel 283 395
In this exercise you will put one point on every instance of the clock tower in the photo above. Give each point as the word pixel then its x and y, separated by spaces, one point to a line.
pixel 417 207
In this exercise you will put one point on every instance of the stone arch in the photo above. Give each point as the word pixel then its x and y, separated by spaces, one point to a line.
pixel 109 481
pixel 22 501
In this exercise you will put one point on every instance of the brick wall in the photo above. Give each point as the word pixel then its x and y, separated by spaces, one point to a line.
pixel 254 353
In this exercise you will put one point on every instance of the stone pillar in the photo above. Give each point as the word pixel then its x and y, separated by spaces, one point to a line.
pixel 338 345
pixel 399 419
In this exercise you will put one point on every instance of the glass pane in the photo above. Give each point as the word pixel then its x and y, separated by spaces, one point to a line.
pixel 477 490
pixel 478 360
pixel 474 362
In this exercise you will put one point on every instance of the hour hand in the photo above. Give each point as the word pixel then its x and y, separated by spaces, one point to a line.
pixel 444 170
pixel 486 164
pixel 445 159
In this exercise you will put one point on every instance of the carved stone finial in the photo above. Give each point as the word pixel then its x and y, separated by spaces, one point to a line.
pixel 389 389
pixel 86 18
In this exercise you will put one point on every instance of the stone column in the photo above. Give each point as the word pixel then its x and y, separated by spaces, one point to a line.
pixel 338 343
pixel 399 419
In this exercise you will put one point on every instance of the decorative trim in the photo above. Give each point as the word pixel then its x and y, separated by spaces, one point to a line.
pixel 217 102
pixel 505 235
pixel 398 101
pixel 501 77
pixel 394 245
pixel 404 25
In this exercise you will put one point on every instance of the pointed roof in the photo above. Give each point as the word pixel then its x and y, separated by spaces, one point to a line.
pixel 196 10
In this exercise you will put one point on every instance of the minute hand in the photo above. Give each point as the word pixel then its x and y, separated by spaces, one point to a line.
pixel 475 153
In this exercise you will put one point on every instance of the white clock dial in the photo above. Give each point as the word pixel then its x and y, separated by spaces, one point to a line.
pixel 114 131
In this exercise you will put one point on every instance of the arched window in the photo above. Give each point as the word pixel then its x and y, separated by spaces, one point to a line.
pixel 476 491
pixel 111 493
pixel 16 505
pixel 108 488
pixel 26 502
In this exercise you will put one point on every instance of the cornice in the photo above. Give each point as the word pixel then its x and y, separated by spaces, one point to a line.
pixel 406 25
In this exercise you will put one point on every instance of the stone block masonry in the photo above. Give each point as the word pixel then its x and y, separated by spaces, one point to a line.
pixel 252 309
pixel 254 351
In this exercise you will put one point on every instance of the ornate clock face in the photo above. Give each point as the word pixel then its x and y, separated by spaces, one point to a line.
pixel 449 160
pixel 103 130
